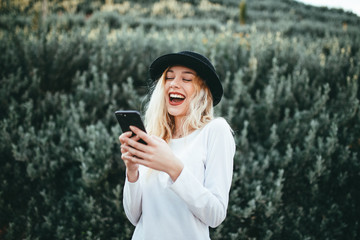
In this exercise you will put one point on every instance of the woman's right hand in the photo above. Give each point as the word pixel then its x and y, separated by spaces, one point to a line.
pixel 131 167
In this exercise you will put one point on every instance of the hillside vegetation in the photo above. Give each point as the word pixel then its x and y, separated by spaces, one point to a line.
pixel 291 79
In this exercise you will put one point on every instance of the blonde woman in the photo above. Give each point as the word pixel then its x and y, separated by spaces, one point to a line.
pixel 177 186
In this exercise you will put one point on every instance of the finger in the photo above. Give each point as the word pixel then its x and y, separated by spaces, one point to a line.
pixel 123 150
pixel 123 136
pixel 134 152
pixel 128 158
pixel 140 161
pixel 141 134
pixel 124 153
pixel 124 147
pixel 125 157
pixel 135 144
pixel 135 138
pixel 126 134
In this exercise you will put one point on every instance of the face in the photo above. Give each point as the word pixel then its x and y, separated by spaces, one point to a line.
pixel 179 90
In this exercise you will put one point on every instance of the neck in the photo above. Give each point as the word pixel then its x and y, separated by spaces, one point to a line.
pixel 178 133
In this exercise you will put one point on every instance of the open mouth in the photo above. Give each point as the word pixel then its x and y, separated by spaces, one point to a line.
pixel 176 98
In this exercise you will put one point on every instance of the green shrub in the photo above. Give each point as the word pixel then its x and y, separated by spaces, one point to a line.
pixel 291 97
pixel 242 12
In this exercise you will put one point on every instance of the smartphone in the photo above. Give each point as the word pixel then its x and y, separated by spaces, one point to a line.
pixel 127 118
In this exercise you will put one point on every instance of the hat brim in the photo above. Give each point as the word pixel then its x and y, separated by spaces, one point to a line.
pixel 201 68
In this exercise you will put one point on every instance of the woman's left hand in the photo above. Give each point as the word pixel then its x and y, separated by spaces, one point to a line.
pixel 156 154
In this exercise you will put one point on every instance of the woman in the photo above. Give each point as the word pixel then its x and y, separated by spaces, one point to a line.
pixel 178 184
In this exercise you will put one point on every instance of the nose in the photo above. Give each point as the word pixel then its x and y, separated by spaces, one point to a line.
pixel 175 82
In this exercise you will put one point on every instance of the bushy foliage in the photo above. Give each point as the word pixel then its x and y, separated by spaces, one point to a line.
pixel 291 96
pixel 242 12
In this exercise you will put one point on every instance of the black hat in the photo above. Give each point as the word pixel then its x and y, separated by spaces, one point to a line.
pixel 200 64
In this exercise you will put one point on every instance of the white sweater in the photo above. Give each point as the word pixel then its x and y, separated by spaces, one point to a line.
pixel 184 209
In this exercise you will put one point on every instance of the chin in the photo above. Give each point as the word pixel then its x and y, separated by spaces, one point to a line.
pixel 175 112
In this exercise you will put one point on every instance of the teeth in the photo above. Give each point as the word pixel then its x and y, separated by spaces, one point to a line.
pixel 173 95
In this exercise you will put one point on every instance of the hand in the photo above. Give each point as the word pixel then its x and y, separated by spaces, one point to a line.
pixel 131 167
pixel 156 154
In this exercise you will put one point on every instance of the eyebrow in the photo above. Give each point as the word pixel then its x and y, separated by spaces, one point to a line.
pixel 189 72
pixel 186 72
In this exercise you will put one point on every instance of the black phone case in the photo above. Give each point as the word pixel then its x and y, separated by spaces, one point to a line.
pixel 127 118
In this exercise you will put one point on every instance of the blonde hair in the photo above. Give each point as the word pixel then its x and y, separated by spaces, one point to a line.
pixel 158 121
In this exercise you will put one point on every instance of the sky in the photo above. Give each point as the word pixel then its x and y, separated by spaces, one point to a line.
pixel 347 5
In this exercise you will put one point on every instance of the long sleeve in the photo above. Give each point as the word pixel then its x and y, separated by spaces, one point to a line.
pixel 208 200
pixel 132 198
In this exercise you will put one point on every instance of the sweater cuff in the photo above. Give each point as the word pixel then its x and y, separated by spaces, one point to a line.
pixel 133 187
